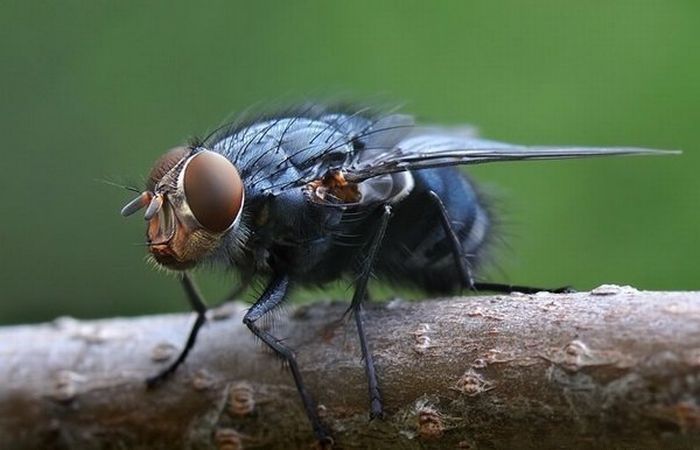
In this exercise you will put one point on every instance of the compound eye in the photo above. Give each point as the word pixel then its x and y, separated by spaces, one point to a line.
pixel 214 190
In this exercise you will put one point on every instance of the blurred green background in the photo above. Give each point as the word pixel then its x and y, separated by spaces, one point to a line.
pixel 97 90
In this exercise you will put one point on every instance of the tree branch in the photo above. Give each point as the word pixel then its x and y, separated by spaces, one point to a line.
pixel 613 368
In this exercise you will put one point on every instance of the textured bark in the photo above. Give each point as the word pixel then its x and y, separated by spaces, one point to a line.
pixel 613 368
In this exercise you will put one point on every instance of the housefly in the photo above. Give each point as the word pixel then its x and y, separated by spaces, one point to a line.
pixel 318 193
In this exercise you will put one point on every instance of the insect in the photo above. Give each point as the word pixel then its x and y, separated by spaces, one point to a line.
pixel 317 193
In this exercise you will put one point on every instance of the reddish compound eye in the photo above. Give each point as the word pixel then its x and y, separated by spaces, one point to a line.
pixel 214 190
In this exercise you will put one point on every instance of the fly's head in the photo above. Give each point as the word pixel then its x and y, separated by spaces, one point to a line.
pixel 193 198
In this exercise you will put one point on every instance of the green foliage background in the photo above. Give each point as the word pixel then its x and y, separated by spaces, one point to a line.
pixel 98 89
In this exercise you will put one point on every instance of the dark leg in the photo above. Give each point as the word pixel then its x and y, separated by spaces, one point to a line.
pixel 460 260
pixel 508 288
pixel 463 264
pixel 375 398
pixel 275 294
pixel 200 308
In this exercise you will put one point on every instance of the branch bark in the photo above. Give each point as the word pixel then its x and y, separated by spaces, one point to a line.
pixel 614 368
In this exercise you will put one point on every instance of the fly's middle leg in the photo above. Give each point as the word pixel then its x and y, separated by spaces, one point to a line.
pixel 274 295
pixel 375 398
pixel 463 264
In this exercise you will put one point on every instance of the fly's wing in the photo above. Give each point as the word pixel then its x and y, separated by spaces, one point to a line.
pixel 432 147
pixel 374 169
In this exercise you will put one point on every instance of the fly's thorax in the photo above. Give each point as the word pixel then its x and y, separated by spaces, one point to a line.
pixel 194 198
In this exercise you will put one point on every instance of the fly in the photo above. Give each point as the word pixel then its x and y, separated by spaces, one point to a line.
pixel 319 193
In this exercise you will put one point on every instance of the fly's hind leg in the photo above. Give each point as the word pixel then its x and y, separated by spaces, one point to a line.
pixel 274 295
pixel 375 398
pixel 508 288
pixel 463 264
pixel 456 246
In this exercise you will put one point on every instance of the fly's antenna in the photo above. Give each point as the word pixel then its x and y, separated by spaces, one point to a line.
pixel 119 185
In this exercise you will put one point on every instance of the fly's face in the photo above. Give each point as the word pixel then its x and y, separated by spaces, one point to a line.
pixel 193 198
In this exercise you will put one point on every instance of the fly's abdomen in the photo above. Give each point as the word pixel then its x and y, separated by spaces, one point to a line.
pixel 417 250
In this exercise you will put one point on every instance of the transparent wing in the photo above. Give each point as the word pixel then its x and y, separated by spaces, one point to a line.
pixel 429 150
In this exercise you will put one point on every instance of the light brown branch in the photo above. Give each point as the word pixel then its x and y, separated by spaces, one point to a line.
pixel 612 368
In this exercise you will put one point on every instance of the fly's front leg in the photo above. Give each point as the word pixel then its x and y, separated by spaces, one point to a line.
pixel 375 398
pixel 198 305
pixel 274 295
pixel 463 264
